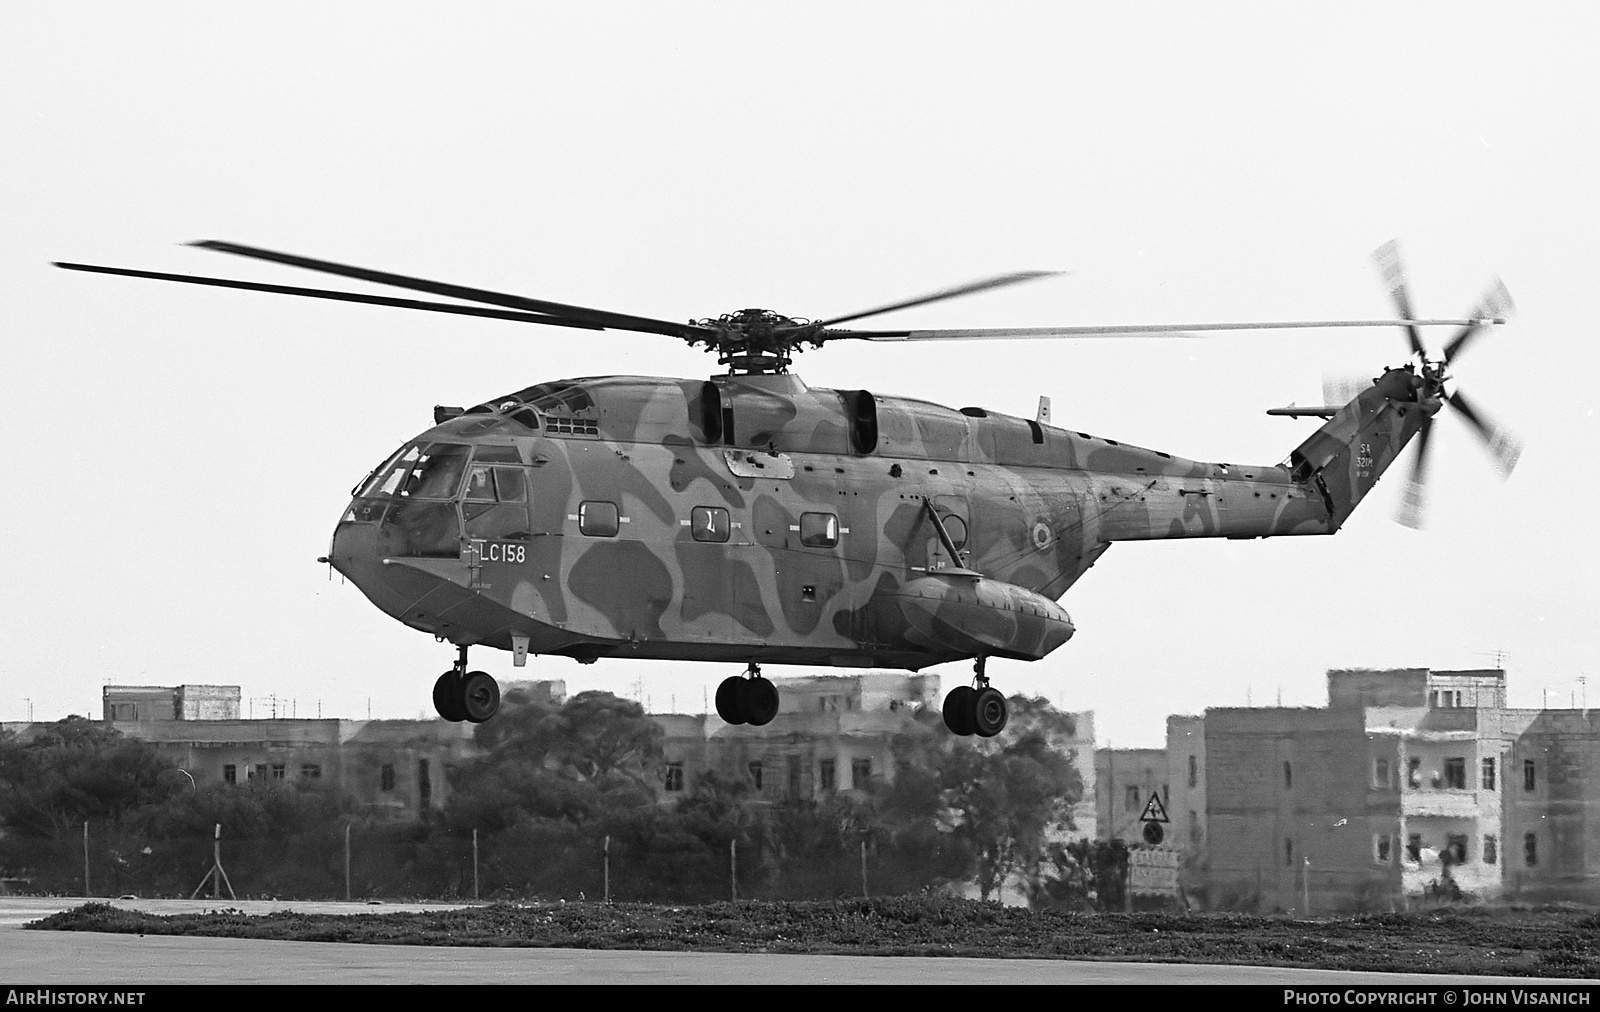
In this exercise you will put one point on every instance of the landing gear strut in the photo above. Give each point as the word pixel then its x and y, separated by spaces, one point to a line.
pixel 460 694
pixel 747 699
pixel 976 708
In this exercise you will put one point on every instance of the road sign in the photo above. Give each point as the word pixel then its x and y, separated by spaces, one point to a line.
pixel 1154 810
pixel 1153 872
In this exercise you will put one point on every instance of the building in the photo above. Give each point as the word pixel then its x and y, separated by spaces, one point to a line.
pixel 832 733
pixel 1411 784
pixel 387 769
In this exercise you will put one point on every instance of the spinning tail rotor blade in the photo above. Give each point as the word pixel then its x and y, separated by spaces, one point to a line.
pixel 1416 487
pixel 1496 303
pixel 1394 276
pixel 1503 445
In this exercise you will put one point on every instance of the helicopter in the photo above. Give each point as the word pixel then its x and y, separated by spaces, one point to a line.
pixel 749 518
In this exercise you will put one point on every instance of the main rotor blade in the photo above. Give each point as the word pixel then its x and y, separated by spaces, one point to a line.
pixel 1495 302
pixel 983 285
pixel 323 293
pixel 1394 275
pixel 1416 487
pixel 1502 444
pixel 596 318
pixel 1129 330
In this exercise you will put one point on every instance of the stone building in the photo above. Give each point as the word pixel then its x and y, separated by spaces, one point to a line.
pixel 1410 784
pixel 387 769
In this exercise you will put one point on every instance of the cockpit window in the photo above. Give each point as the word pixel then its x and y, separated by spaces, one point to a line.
pixel 387 478
pixel 437 474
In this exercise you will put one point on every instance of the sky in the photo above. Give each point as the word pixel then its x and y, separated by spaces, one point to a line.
pixel 179 456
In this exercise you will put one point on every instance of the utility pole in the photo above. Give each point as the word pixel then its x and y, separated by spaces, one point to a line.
pixel 347 862
pixel 86 859
pixel 475 865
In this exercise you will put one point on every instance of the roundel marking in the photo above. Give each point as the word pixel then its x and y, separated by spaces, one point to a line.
pixel 1041 535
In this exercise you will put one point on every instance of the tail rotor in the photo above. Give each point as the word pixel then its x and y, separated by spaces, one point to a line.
pixel 1432 374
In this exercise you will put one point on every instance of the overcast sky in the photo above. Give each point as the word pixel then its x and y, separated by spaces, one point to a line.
pixel 178 456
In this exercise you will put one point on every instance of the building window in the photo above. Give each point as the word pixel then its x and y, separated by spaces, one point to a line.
pixel 709 523
pixel 310 770
pixel 1288 776
pixel 1530 849
pixel 1488 774
pixel 386 776
pixel 278 772
pixel 1455 849
pixel 860 772
pixel 230 774
pixel 755 775
pixel 1414 848
pixel 1194 771
pixel 261 771
pixel 424 785
pixel 1381 843
pixel 598 519
pixel 1413 772
pixel 1380 772
pixel 1288 852
pixel 1455 773
pixel 1133 798
pixel 825 775
pixel 1491 849
pixel 794 776
pixel 1529 780
pixel 674 776
pixel 819 530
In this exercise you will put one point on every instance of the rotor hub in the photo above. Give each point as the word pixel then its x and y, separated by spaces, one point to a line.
pixel 757 341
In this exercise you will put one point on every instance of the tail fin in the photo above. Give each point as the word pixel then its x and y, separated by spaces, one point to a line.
pixel 1343 460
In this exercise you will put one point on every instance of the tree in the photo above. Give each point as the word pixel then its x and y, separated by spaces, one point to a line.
pixel 1005 795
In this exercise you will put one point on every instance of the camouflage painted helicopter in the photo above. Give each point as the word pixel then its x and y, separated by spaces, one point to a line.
pixel 751 519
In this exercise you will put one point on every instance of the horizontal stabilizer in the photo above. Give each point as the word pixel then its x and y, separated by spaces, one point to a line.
pixel 1321 411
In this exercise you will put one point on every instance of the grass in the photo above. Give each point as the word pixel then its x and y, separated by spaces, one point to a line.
pixel 1543 942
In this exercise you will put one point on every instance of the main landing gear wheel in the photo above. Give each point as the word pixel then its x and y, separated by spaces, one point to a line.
pixel 747 699
pixel 981 710
pixel 460 694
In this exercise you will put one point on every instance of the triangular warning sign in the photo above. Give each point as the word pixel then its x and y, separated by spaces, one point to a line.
pixel 1154 810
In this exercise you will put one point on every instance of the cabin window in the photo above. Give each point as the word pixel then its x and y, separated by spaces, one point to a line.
pixel 957 529
pixel 496 484
pixel 709 523
pixel 598 519
pixel 819 530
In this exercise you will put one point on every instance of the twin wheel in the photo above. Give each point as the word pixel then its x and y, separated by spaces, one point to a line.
pixel 747 699
pixel 980 711
pixel 473 696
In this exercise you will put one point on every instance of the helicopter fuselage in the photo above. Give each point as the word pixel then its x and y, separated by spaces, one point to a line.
pixel 752 519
